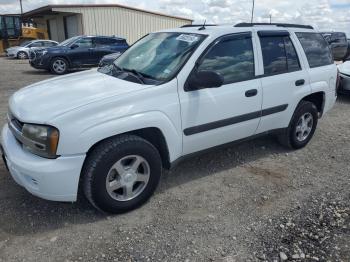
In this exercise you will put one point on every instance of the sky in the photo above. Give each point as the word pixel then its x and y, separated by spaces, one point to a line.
pixel 324 15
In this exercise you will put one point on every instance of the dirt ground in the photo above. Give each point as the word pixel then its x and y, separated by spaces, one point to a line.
pixel 254 201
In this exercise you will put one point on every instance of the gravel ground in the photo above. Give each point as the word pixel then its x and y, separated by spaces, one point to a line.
pixel 252 202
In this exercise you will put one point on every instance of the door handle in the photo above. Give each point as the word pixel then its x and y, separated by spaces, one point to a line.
pixel 251 92
pixel 300 82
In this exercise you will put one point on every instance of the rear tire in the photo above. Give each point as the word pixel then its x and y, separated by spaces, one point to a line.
pixel 302 126
pixel 59 65
pixel 121 173
pixel 22 55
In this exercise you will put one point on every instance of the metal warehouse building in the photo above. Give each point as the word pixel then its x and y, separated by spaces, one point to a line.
pixel 65 21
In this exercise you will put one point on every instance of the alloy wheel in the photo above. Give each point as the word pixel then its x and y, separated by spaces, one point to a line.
pixel 128 178
pixel 304 127
pixel 59 66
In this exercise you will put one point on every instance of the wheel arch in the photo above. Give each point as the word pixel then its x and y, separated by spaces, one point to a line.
pixel 61 56
pixel 153 135
pixel 318 99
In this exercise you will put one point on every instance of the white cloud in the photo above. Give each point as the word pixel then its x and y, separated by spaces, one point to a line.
pixel 323 14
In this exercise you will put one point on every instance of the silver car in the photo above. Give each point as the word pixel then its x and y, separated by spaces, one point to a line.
pixel 22 51
pixel 344 70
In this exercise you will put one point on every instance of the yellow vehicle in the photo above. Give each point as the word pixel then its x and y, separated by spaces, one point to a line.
pixel 13 32
pixel 31 33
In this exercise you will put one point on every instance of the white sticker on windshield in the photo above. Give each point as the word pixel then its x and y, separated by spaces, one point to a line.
pixel 187 38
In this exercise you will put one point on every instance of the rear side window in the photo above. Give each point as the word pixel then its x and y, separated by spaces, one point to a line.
pixel 37 44
pixel 106 41
pixel 233 58
pixel 316 49
pixel 279 55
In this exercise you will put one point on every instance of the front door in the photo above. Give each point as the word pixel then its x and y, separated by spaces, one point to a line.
pixel 215 116
pixel 81 52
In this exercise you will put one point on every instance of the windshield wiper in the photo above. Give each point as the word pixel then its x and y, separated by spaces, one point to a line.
pixel 137 74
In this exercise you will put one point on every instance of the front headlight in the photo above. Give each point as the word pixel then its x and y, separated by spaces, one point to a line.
pixel 44 52
pixel 41 140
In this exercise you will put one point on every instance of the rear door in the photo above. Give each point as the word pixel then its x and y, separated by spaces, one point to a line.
pixel 284 78
pixel 103 46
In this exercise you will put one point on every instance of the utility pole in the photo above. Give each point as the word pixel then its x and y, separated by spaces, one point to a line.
pixel 20 2
pixel 251 21
pixel 270 18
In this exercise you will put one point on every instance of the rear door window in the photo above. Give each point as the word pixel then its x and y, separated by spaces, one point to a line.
pixel 279 55
pixel 36 44
pixel 101 41
pixel 232 57
pixel 316 49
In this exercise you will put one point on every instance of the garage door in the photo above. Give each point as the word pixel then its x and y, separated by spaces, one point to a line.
pixel 71 26
pixel 53 29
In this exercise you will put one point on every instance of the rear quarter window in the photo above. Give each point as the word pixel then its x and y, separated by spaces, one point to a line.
pixel 316 49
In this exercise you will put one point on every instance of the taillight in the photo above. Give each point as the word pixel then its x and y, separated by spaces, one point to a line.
pixel 338 82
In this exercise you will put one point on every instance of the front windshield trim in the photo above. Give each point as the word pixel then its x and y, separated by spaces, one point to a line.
pixel 178 70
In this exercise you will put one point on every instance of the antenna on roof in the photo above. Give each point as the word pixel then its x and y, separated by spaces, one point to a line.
pixel 203 26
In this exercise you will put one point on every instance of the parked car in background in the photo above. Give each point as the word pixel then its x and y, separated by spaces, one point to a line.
pixel 109 59
pixel 76 52
pixel 111 130
pixel 22 51
pixel 344 86
pixel 338 44
pixel 348 54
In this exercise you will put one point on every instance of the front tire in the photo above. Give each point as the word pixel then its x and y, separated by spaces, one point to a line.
pixel 59 65
pixel 121 173
pixel 22 55
pixel 302 126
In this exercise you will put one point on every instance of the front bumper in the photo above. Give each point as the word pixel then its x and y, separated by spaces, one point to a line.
pixel 10 54
pixel 39 64
pixel 51 179
pixel 344 86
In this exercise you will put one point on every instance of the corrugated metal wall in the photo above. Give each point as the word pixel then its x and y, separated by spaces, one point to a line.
pixel 123 22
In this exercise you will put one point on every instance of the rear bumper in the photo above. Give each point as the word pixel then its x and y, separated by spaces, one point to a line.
pixel 51 179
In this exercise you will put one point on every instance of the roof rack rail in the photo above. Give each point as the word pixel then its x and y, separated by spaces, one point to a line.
pixel 196 25
pixel 275 24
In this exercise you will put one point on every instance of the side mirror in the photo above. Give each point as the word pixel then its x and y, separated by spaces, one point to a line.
pixel 204 79
pixel 73 46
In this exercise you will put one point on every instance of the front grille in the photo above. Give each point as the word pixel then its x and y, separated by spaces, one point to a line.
pixel 32 55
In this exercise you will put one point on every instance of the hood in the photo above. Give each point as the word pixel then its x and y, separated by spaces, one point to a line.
pixel 46 100
pixel 344 68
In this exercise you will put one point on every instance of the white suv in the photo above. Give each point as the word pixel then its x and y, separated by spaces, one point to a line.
pixel 110 131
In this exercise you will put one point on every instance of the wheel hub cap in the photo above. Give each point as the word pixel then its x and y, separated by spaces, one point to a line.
pixel 304 127
pixel 127 178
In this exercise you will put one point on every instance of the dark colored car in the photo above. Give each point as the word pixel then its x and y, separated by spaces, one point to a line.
pixel 76 52
pixel 109 59
pixel 348 54
pixel 338 43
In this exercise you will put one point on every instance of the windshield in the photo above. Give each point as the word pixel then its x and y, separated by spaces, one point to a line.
pixel 25 43
pixel 68 41
pixel 159 56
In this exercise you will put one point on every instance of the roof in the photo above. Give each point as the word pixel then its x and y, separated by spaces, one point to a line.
pixel 48 8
